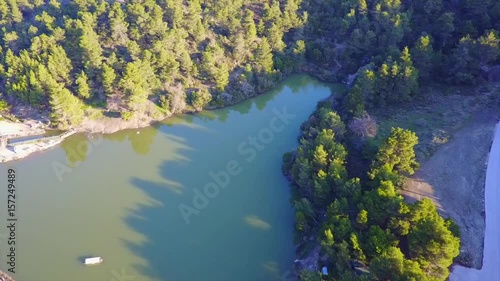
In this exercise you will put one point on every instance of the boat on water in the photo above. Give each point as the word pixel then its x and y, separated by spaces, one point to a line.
pixel 93 261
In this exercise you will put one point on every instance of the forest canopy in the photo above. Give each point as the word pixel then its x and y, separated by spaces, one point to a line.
pixel 365 229
pixel 74 60
pixel 68 57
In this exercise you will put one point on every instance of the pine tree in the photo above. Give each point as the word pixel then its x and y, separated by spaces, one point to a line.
pixel 136 82
pixel 423 55
pixel 431 243
pixel 15 15
pixel 208 68
pixel 166 65
pixel 275 37
pixel 118 25
pixel 200 98
pixel 58 64
pixel 221 77
pixel 249 26
pixel 4 11
pixel 397 151
pixel 264 57
pixel 83 88
pixel 66 108
pixel 173 11
pixel 89 43
pixel 108 76
pixel 362 7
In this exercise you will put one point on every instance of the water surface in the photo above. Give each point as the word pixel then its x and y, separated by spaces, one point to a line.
pixel 118 196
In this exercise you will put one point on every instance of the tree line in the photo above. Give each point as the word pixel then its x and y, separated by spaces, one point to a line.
pixel 68 56
pixel 365 228
pixel 394 46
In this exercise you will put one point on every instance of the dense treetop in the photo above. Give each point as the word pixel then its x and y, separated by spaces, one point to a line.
pixel 67 57
pixel 159 57
pixel 365 228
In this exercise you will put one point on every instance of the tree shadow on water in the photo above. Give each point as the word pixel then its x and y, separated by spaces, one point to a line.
pixel 215 244
pixel 159 221
pixel 170 242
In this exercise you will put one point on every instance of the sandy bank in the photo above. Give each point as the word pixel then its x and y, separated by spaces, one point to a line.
pixel 104 125
pixel 5 276
pixel 10 153
pixel 107 125
pixel 10 129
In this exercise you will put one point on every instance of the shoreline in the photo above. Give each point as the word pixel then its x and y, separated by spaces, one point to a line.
pixel 105 125
pixel 110 125
pixel 19 151
pixel 5 276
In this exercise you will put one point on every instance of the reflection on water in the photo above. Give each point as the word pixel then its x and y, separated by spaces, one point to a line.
pixel 140 139
pixel 256 222
pixel 76 148
pixel 121 197
pixel 244 232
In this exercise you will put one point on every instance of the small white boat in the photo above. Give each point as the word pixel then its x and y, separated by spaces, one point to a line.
pixel 93 261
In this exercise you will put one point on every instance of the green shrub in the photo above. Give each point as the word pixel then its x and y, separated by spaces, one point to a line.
pixel 127 115
pixel 4 106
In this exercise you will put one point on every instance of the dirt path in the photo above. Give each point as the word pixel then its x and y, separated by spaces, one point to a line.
pixel 491 268
pixel 454 179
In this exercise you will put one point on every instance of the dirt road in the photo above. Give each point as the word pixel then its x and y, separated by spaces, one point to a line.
pixel 454 178
pixel 491 257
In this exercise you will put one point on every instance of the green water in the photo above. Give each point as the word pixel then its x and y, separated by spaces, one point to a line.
pixel 118 196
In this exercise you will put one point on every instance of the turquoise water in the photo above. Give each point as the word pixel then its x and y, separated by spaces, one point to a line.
pixel 146 202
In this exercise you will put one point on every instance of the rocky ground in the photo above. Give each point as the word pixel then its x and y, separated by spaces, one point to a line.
pixel 5 277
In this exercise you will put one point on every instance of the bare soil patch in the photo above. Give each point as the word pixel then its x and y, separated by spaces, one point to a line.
pixel 10 129
pixel 455 135
pixel 436 115
pixel 454 179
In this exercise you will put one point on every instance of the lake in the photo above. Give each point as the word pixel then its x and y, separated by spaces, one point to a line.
pixel 195 197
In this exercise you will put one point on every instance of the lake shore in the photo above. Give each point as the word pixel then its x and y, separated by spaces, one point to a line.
pixel 153 174
pixel 5 276
pixel 104 125
pixel 32 125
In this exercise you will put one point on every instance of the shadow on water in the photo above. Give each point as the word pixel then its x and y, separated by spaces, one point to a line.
pixel 81 259
pixel 174 250
pixel 158 220
pixel 76 148
pixel 147 220
pixel 243 107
